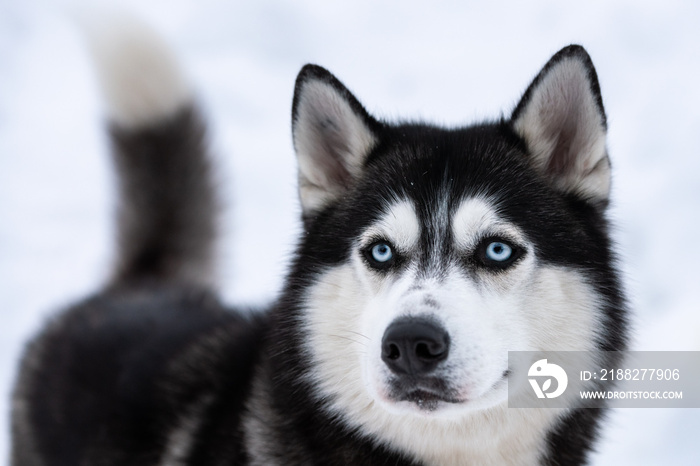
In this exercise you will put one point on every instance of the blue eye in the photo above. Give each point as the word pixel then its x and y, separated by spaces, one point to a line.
pixel 382 253
pixel 498 251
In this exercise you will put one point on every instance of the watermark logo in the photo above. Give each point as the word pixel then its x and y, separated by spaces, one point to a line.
pixel 597 379
pixel 543 370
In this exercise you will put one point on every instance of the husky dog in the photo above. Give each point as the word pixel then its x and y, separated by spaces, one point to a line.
pixel 427 254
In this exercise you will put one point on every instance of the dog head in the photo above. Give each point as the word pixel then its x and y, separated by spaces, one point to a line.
pixel 429 253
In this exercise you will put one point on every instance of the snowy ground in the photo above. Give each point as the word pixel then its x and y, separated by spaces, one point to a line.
pixel 451 62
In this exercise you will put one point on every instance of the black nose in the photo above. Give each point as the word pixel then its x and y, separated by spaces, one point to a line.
pixel 414 346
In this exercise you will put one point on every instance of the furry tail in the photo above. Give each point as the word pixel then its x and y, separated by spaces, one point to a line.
pixel 168 205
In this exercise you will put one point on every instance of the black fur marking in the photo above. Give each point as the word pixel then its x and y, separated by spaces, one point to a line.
pixel 105 391
pixel 168 209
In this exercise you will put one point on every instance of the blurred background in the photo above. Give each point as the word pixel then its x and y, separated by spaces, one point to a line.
pixel 451 62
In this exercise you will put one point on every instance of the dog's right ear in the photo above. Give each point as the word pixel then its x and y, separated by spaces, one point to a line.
pixel 333 135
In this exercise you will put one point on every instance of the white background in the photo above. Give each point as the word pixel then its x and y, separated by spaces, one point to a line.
pixel 447 62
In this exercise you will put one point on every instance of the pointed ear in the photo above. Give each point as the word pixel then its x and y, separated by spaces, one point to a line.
pixel 562 121
pixel 333 135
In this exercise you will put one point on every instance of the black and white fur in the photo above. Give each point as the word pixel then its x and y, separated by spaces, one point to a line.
pixel 154 370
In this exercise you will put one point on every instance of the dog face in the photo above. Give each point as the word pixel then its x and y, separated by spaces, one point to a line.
pixel 430 253
pixel 436 287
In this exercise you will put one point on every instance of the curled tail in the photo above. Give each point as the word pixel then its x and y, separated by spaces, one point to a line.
pixel 167 202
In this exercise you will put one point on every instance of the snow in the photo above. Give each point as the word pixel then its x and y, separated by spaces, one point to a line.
pixel 451 62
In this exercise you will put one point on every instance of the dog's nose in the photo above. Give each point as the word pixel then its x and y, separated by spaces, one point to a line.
pixel 414 346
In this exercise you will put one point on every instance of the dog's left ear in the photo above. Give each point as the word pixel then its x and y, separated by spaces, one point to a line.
pixel 562 121
pixel 333 135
